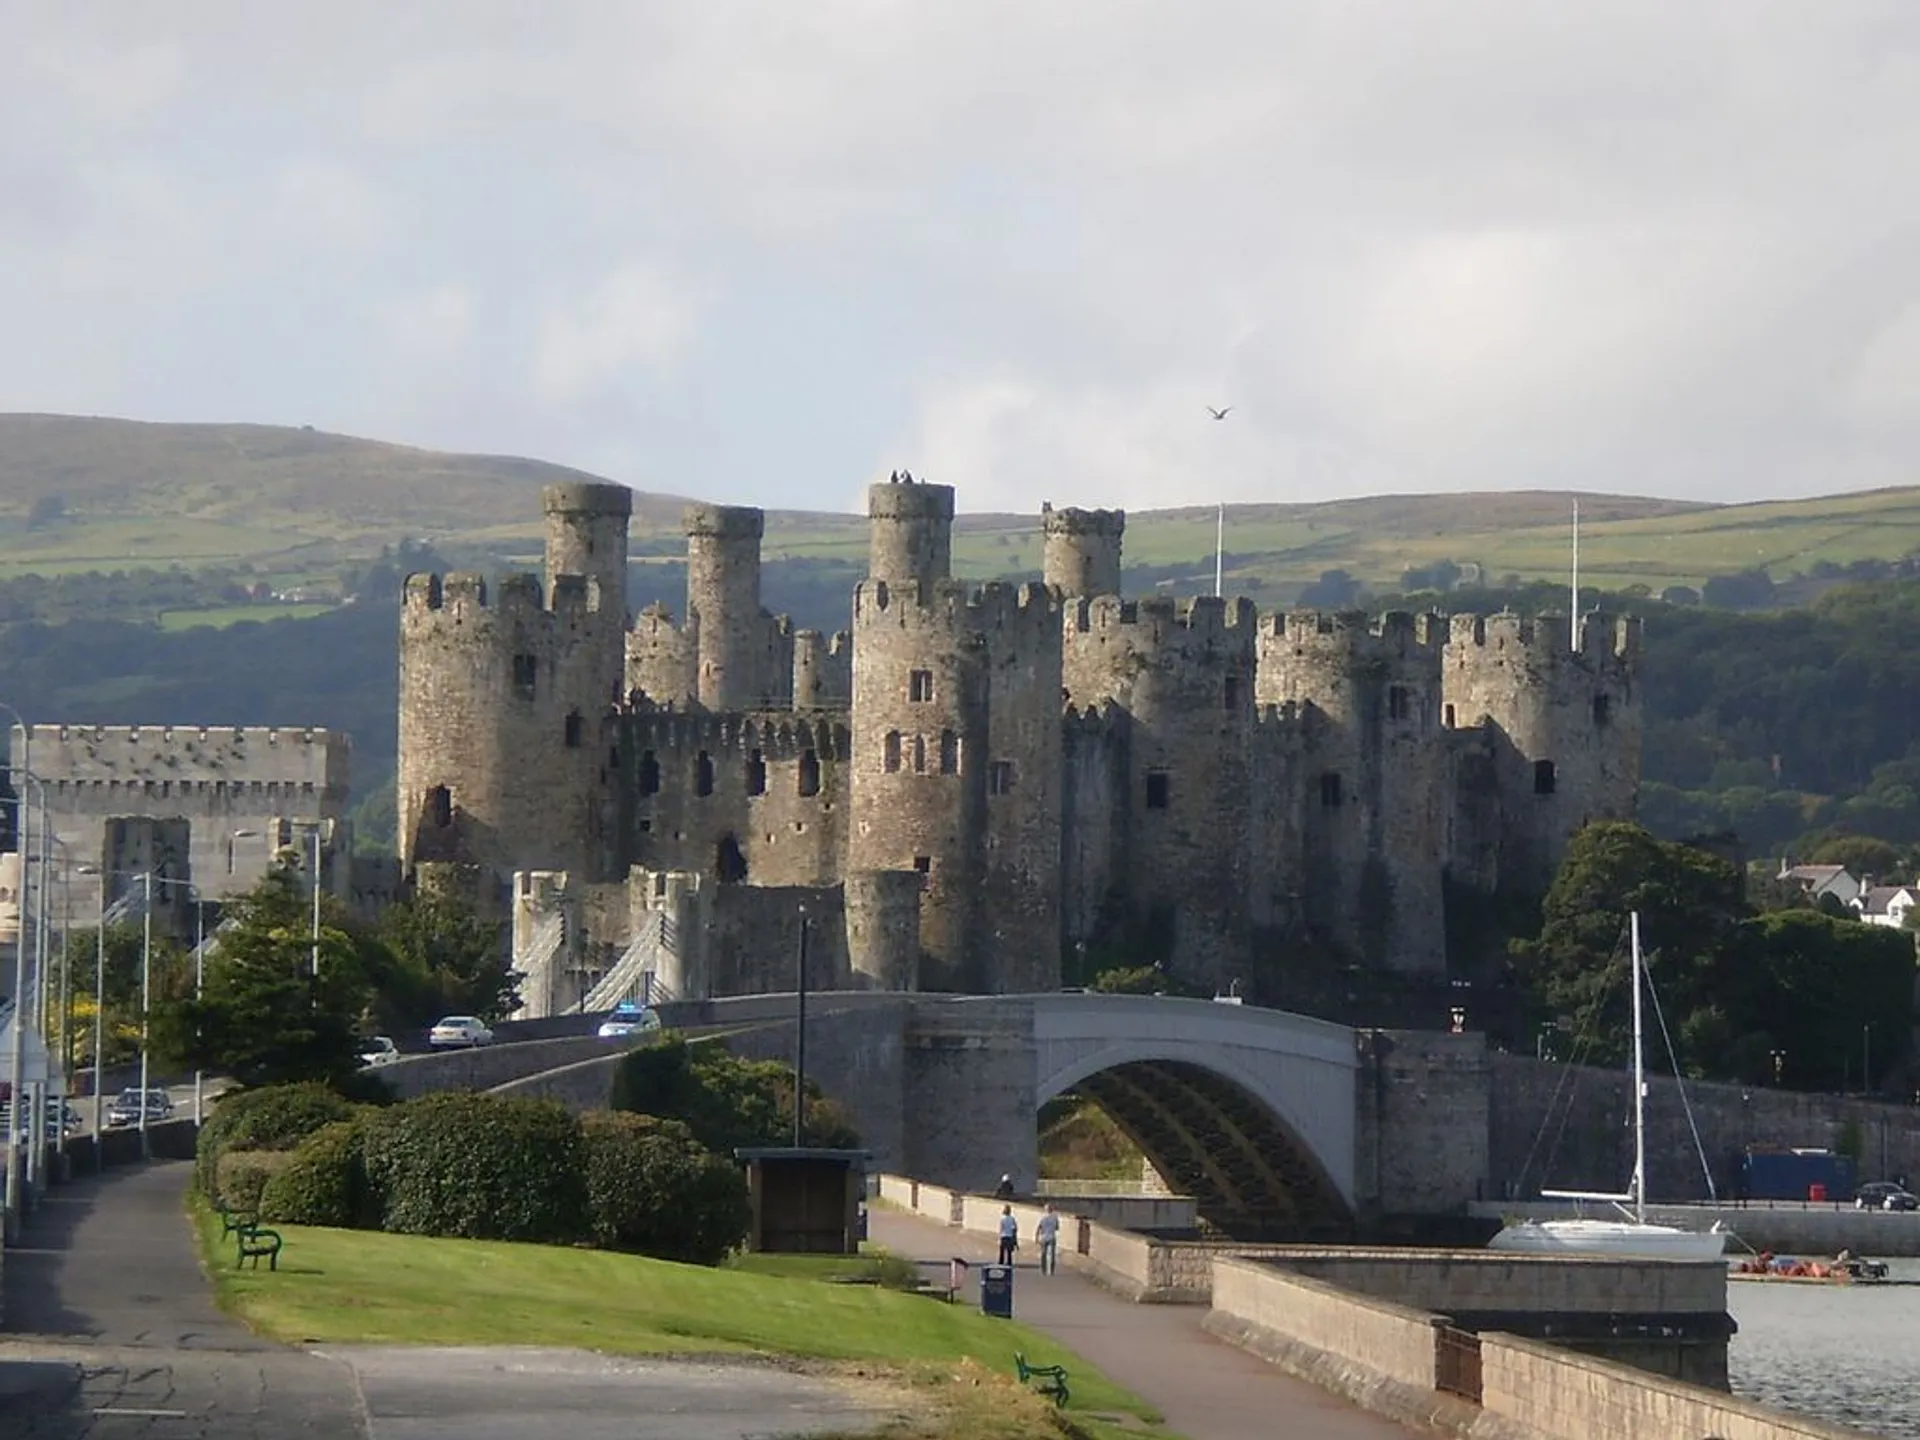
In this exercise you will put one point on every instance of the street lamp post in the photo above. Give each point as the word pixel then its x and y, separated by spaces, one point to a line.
pixel 800 1041
pixel 146 1006
pixel 17 1070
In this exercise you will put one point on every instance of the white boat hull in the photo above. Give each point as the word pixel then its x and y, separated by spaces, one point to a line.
pixel 1610 1237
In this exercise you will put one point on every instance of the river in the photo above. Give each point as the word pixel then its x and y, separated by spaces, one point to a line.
pixel 1848 1354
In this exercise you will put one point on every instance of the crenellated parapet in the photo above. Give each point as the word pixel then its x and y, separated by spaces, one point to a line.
pixel 910 529
pixel 772 735
pixel 1160 652
pixel 1082 549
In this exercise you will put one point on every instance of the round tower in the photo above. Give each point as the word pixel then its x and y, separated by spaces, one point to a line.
pixel 587 535
pixel 502 727
pixel 883 927
pixel 1373 825
pixel 723 604
pixel 911 530
pixel 1567 710
pixel 1182 673
pixel 1082 550
pixel 918 788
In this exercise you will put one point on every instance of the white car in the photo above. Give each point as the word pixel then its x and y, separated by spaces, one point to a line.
pixel 378 1050
pixel 459 1032
pixel 628 1019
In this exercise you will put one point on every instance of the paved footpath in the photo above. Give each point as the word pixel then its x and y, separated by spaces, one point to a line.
pixel 1207 1389
pixel 111 1333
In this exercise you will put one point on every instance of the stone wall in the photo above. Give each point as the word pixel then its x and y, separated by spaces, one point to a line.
pixel 969 1093
pixel 1591 1148
pixel 1421 1130
pixel 485 1067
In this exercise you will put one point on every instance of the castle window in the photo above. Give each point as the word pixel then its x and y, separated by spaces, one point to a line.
pixel 756 773
pixel 1000 777
pixel 703 775
pixel 1544 778
pixel 440 806
pixel 920 686
pixel 1446 716
pixel 1602 709
pixel 949 753
pixel 893 752
pixel 1399 703
pixel 526 671
pixel 919 754
pixel 1230 693
pixel 576 730
pixel 809 772
pixel 923 863
pixel 1158 789
pixel 649 773
pixel 729 864
pixel 1330 796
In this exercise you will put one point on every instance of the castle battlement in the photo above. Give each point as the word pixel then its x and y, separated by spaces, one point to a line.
pixel 776 734
pixel 1206 617
pixel 1547 638
pixel 188 737
pixel 1107 524
pixel 515 598
pixel 952 606
pixel 723 522
pixel 1354 634
pixel 910 500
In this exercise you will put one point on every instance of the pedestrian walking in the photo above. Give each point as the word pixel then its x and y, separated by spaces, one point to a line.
pixel 1004 1190
pixel 1047 1232
pixel 1009 1234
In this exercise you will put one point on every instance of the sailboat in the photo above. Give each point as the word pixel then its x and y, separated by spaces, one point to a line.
pixel 1633 1235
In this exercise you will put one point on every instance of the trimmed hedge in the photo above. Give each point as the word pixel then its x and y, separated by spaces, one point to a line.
pixel 273 1117
pixel 324 1182
pixel 479 1167
pixel 244 1175
pixel 655 1190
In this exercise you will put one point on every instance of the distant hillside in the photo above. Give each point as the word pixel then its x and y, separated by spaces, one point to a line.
pixel 293 504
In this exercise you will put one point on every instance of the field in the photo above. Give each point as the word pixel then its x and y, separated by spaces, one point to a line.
pixel 352 1286
pixel 94 495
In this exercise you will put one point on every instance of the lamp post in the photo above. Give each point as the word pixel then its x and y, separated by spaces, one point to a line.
pixel 60 1007
pixel 16 1067
pixel 800 1041
pixel 99 1009
pixel 146 1005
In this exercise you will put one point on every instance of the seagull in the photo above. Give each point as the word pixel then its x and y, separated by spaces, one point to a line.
pixel 1219 414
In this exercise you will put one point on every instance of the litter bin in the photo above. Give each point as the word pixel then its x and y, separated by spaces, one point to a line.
pixel 996 1291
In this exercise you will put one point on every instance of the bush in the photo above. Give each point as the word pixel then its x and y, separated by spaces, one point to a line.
pixel 727 1102
pixel 654 1190
pixel 273 1117
pixel 324 1182
pixel 243 1176
pixel 479 1167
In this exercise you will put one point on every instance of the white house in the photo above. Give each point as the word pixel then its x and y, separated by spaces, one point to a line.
pixel 1887 904
pixel 1818 880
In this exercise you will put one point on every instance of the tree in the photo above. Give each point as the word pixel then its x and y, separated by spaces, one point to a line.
pixel 1828 993
pixel 264 1016
pixel 725 1101
pixel 1690 905
pixel 446 960
pixel 1864 855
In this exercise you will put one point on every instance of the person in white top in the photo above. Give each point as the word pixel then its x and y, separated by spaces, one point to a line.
pixel 1009 1234
pixel 1047 1232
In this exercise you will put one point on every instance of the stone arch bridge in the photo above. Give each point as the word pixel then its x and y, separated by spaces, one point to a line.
pixel 1254 1112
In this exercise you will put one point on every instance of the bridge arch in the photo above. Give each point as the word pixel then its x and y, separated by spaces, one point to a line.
pixel 1251 1111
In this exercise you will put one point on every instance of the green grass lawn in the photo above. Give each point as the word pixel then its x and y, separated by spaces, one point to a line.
pixel 351 1286
pixel 220 616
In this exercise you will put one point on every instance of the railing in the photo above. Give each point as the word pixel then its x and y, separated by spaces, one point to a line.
pixel 1456 1362
pixel 535 963
pixel 629 973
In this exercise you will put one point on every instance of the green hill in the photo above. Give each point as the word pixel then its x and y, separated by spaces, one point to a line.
pixel 294 504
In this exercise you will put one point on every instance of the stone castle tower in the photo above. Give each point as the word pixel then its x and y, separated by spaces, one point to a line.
pixel 978 786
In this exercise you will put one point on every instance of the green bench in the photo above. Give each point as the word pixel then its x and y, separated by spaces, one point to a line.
pixel 233 1221
pixel 258 1243
pixel 1049 1380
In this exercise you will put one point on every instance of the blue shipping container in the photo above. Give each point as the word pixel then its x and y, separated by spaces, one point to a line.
pixel 1795 1174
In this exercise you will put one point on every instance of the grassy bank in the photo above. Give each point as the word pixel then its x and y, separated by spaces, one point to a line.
pixel 344 1286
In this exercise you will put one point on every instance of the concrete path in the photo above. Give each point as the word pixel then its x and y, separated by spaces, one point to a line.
pixel 1207 1389
pixel 111 1333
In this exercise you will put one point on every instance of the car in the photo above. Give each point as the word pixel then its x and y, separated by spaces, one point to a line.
pixel 126 1108
pixel 1901 1200
pixel 1873 1194
pixel 58 1124
pixel 628 1019
pixel 378 1050
pixel 459 1032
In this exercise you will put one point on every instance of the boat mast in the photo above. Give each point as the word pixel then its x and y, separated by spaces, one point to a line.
pixel 1639 1086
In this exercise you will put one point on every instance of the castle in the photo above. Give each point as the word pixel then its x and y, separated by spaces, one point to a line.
pixel 975 784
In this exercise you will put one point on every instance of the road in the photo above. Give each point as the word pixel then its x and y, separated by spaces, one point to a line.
pixel 111 1334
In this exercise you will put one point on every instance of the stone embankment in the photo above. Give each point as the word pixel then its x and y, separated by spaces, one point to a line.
pixel 1401 1359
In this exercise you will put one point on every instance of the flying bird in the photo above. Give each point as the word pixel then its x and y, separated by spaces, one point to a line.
pixel 1219 414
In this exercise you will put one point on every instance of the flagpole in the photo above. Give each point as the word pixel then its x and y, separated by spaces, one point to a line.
pixel 1219 549
pixel 1573 615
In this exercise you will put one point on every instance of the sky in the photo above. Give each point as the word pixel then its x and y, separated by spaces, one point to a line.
pixel 764 253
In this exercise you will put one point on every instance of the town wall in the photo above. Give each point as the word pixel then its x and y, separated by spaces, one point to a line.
pixel 235 787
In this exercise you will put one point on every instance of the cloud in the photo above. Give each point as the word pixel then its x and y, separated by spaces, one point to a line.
pixel 763 251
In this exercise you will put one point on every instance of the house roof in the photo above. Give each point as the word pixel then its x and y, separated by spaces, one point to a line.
pixel 1876 899
pixel 1812 872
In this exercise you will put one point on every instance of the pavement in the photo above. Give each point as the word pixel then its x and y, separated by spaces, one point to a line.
pixel 1206 1388
pixel 111 1333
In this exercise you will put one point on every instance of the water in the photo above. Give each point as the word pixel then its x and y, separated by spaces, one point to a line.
pixel 1847 1354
